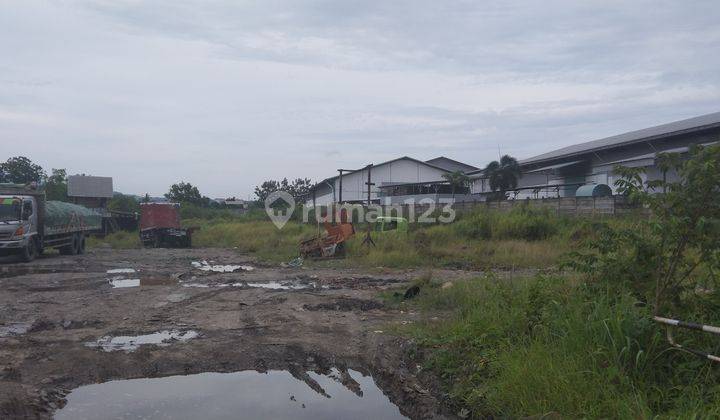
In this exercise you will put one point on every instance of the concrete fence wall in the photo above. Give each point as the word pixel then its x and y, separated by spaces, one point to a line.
pixel 567 206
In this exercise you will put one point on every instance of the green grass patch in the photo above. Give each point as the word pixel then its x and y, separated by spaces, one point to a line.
pixel 117 240
pixel 553 345
pixel 480 240
pixel 260 238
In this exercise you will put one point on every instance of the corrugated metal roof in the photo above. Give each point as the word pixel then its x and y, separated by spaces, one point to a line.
pixel 653 155
pixel 451 164
pixel 90 186
pixel 557 166
pixel 375 165
pixel 665 130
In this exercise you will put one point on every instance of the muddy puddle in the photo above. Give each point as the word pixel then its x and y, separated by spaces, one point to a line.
pixel 219 268
pixel 14 328
pixel 119 283
pixel 280 285
pixel 148 280
pixel 121 271
pixel 273 394
pixel 133 342
pixel 271 285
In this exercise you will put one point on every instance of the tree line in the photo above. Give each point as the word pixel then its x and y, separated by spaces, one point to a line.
pixel 298 187
pixel 21 170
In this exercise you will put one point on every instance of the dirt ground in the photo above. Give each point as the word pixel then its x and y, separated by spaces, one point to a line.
pixel 51 308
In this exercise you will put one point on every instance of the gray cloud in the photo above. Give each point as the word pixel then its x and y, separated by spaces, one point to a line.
pixel 226 94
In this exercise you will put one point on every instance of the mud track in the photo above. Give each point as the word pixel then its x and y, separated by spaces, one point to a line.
pixel 309 320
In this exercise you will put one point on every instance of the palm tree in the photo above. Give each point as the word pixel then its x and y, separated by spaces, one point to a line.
pixel 457 179
pixel 503 175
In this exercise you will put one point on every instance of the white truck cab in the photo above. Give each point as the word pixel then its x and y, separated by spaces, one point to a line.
pixel 18 224
pixel 29 224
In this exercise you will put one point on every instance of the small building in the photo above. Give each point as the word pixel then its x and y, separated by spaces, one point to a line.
pixel 559 173
pixel 93 192
pixel 235 203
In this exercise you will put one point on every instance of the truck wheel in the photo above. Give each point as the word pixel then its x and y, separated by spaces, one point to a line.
pixel 30 251
pixel 81 244
pixel 75 244
pixel 73 247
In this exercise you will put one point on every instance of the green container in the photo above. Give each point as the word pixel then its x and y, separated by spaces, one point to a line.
pixel 391 224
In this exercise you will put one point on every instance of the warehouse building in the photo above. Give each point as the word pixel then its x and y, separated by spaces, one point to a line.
pixel 394 181
pixel 561 172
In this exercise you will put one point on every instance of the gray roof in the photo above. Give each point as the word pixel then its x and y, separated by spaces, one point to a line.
pixel 654 155
pixel 90 186
pixel 375 165
pixel 451 164
pixel 689 125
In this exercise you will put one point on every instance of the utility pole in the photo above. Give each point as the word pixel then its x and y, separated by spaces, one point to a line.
pixel 368 239
pixel 369 183
pixel 340 193
pixel 340 198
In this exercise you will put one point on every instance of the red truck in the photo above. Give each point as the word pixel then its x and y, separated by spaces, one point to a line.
pixel 160 226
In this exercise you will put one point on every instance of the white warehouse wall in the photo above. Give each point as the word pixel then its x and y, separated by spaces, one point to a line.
pixel 401 170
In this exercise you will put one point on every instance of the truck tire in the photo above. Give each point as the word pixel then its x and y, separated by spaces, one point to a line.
pixel 81 244
pixel 30 251
pixel 72 248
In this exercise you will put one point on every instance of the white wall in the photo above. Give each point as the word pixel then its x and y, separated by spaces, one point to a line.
pixel 403 170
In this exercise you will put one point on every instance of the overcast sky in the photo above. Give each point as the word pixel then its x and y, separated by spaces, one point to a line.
pixel 225 94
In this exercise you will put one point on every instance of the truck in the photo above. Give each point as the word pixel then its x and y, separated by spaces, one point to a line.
pixel 29 224
pixel 160 226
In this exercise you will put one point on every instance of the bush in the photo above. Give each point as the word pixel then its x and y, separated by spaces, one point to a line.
pixel 527 224
pixel 260 238
pixel 544 345
pixel 521 223
pixel 477 225
pixel 118 240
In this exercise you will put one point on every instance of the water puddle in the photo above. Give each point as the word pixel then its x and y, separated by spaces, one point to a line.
pixel 247 394
pixel 14 328
pixel 121 271
pixel 205 266
pixel 122 282
pixel 196 285
pixel 272 285
pixel 132 343
pixel 276 285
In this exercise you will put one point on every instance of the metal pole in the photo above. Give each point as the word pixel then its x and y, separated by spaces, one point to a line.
pixel 670 323
pixel 340 192
pixel 368 238
pixel 369 183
